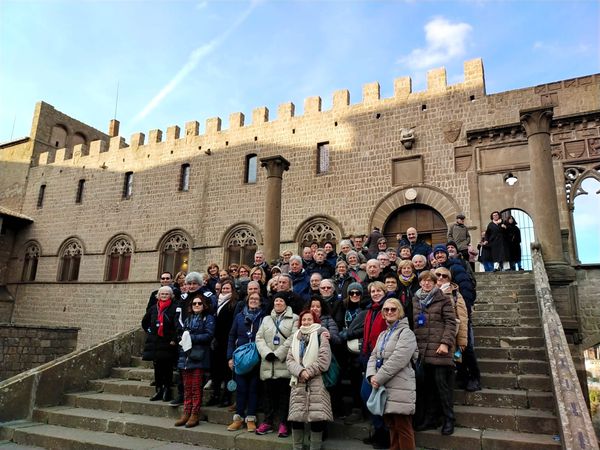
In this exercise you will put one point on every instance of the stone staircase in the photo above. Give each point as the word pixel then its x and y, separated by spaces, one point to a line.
pixel 514 410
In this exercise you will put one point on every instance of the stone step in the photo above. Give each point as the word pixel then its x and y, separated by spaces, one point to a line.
pixel 522 366
pixel 494 331
pixel 523 420
pixel 476 439
pixel 7 445
pixel 538 354
pixel 210 434
pixel 56 437
pixel 129 404
pixel 511 381
pixel 508 341
pixel 505 398
pixel 137 361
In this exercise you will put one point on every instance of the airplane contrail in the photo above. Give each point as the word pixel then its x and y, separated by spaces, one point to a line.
pixel 195 57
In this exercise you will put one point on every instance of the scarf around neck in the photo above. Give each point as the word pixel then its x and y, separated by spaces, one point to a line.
pixel 162 306
pixel 308 338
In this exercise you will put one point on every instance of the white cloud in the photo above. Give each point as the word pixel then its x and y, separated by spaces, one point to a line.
pixel 445 41
pixel 192 62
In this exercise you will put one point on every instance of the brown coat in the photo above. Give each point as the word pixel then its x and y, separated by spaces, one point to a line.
pixel 439 328
pixel 310 402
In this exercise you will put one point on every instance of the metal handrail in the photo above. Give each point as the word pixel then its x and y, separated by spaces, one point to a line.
pixel 576 429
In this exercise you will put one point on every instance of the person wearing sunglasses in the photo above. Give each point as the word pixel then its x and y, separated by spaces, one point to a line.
pixel 166 278
pixel 435 329
pixel 390 366
pixel 195 361
pixel 354 312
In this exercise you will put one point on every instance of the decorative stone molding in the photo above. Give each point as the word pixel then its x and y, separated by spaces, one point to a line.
pixel 318 229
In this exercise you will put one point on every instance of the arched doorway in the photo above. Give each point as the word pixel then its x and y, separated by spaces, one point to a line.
pixel 429 223
pixel 525 224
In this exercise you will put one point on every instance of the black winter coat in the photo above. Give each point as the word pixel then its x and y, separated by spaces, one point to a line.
pixel 159 348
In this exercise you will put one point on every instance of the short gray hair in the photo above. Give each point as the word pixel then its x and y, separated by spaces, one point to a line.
pixel 194 276
pixel 165 289
pixel 296 258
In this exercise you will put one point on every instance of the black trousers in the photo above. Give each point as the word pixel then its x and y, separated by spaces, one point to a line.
pixel 435 394
pixel 163 373
pixel 276 399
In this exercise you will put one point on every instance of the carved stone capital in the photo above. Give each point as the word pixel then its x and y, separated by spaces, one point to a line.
pixel 537 120
pixel 275 165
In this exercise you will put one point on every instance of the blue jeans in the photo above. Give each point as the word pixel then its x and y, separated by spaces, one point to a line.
pixel 488 266
pixel 247 392
pixel 365 391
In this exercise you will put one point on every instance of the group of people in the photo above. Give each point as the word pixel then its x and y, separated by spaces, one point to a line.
pixel 500 243
pixel 393 319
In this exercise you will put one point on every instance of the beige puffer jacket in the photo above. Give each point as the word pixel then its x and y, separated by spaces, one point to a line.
pixel 310 402
pixel 462 316
pixel 396 374
pixel 264 343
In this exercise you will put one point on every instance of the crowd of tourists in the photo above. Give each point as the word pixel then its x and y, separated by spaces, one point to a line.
pixel 394 322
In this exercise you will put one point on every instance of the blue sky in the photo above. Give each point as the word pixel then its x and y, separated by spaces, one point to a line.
pixel 176 61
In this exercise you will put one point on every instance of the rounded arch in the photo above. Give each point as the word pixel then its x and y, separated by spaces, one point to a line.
pixel 430 224
pixel 59 136
pixel 430 196
pixel 78 138
pixel 176 238
pixel 524 223
pixel 318 229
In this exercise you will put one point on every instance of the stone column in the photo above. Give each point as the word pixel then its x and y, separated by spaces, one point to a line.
pixel 546 221
pixel 275 166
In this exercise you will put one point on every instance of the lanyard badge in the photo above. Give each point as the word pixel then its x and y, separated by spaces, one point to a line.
pixel 421 320
pixel 276 340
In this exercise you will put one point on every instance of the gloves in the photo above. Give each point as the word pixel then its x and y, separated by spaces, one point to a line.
pixel 271 357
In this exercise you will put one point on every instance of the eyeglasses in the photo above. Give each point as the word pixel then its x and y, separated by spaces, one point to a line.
pixel 233 270
pixel 442 275
pixel 326 288
pixel 389 310
pixel 165 278
pixel 196 303
pixel 353 293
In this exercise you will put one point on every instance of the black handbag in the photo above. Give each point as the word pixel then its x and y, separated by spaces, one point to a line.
pixel 197 353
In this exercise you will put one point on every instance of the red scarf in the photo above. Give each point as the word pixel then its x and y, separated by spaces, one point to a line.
pixel 162 305
pixel 373 328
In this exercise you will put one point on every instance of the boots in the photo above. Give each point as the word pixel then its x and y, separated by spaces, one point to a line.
pixel 297 438
pixel 237 424
pixel 381 438
pixel 182 420
pixel 316 440
pixel 192 421
pixel 251 424
pixel 167 396
pixel 160 391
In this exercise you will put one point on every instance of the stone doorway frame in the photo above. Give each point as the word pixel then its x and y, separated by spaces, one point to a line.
pixel 426 195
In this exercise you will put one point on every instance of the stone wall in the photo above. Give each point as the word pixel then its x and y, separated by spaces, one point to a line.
pixel 460 172
pixel 588 287
pixel 25 347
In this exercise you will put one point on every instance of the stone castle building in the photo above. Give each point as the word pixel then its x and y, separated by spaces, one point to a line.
pixel 90 219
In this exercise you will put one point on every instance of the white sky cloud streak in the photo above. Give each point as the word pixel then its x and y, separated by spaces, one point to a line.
pixel 192 62
pixel 445 41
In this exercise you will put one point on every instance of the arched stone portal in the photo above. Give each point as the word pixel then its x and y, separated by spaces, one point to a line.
pixel 429 223
pixel 393 209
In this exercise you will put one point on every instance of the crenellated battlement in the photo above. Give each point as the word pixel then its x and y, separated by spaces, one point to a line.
pixel 437 85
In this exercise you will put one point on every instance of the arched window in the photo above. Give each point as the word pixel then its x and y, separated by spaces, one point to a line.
pixel 70 259
pixel 32 255
pixel 119 259
pixel 58 138
pixel 319 230
pixel 174 252
pixel 585 221
pixel 525 227
pixel 240 246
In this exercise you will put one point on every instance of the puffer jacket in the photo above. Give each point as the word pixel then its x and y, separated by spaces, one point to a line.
pixel 460 309
pixel 334 332
pixel 242 331
pixel 301 284
pixel 439 328
pixel 310 402
pixel 396 373
pixel 202 331
pixel 264 343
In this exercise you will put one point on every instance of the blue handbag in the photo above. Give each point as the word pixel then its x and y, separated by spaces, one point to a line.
pixel 245 358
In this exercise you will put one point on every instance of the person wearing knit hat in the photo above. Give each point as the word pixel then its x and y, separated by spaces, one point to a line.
pixel 440 248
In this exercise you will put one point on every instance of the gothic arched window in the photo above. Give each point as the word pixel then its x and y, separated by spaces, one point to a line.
pixel 118 260
pixel 32 255
pixel 174 252
pixel 70 259
pixel 319 230
pixel 240 246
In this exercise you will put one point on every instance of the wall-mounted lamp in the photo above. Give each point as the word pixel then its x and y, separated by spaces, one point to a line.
pixel 407 137
pixel 510 179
